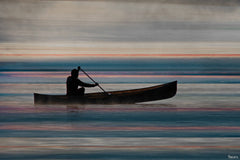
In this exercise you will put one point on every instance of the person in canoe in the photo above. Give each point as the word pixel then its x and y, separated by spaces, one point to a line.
pixel 73 84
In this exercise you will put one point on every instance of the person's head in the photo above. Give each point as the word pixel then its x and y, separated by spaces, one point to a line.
pixel 74 73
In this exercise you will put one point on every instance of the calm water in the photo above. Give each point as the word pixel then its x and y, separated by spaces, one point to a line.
pixel 201 122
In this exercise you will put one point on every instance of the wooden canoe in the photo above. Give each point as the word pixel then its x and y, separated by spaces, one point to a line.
pixel 153 93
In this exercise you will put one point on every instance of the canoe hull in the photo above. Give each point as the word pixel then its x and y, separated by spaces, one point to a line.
pixel 158 92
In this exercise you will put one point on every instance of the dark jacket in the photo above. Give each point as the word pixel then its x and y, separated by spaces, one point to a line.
pixel 72 85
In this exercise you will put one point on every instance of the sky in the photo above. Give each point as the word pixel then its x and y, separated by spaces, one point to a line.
pixel 39 30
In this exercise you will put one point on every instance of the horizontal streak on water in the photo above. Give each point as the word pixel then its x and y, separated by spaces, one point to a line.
pixel 154 141
pixel 120 74
pixel 120 143
pixel 53 109
pixel 41 127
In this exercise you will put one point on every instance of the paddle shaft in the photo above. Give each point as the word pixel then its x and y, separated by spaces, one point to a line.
pixel 93 80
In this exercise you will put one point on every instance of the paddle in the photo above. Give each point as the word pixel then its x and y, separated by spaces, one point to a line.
pixel 79 68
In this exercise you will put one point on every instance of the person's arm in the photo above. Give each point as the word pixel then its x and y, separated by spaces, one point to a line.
pixel 83 84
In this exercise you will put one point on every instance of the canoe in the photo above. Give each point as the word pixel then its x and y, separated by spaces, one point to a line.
pixel 153 93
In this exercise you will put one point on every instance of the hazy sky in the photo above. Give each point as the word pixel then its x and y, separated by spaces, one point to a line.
pixel 91 23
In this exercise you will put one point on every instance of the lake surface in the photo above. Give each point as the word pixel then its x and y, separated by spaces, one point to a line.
pixel 201 122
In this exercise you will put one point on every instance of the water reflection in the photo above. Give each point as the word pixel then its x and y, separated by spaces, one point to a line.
pixel 75 108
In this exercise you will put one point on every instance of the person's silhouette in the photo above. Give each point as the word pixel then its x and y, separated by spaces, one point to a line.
pixel 73 83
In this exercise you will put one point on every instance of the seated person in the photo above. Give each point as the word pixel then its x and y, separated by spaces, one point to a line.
pixel 73 82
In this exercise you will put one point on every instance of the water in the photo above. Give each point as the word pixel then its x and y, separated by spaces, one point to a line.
pixel 201 122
